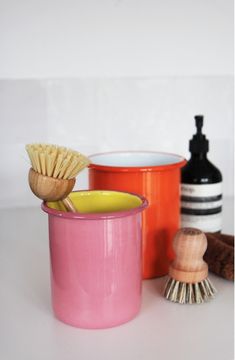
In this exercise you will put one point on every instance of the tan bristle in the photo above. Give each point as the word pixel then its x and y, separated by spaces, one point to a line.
pixel 56 161
pixel 185 293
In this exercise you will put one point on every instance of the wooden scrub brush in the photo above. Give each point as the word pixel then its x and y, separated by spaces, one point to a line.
pixel 53 172
pixel 220 254
pixel 188 274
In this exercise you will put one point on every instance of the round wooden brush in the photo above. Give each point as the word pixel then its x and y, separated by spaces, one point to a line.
pixel 53 172
pixel 188 274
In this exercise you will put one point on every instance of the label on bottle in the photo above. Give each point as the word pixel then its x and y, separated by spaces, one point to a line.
pixel 201 206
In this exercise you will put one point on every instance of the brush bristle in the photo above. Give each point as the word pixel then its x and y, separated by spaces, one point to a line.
pixel 56 161
pixel 184 293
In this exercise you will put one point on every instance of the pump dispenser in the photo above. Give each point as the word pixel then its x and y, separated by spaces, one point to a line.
pixel 199 143
pixel 201 186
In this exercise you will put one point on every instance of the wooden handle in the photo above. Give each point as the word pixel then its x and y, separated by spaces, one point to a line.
pixel 69 205
pixel 190 245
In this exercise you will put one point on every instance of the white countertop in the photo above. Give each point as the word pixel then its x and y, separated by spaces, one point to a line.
pixel 162 330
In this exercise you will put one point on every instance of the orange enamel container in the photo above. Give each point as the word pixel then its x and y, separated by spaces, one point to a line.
pixel 155 176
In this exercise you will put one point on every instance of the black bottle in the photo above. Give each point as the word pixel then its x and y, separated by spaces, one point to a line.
pixel 201 187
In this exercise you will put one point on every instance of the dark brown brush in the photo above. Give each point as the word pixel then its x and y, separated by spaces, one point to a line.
pixel 220 254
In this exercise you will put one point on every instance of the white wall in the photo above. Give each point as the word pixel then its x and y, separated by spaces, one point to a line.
pixel 113 75
pixel 68 38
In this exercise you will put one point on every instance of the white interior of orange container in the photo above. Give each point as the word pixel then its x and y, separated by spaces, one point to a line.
pixel 135 159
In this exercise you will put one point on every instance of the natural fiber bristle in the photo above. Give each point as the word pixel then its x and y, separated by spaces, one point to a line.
pixel 184 293
pixel 56 161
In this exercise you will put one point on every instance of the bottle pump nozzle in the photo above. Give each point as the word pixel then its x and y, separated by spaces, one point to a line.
pixel 199 123
pixel 199 143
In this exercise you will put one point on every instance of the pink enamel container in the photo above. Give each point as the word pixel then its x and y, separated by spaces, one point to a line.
pixel 96 258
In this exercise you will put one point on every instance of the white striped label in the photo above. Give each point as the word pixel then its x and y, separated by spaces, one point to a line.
pixel 201 206
pixel 207 223
pixel 201 190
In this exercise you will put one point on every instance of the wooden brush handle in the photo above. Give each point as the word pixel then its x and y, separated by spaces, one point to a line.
pixel 68 204
pixel 190 245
